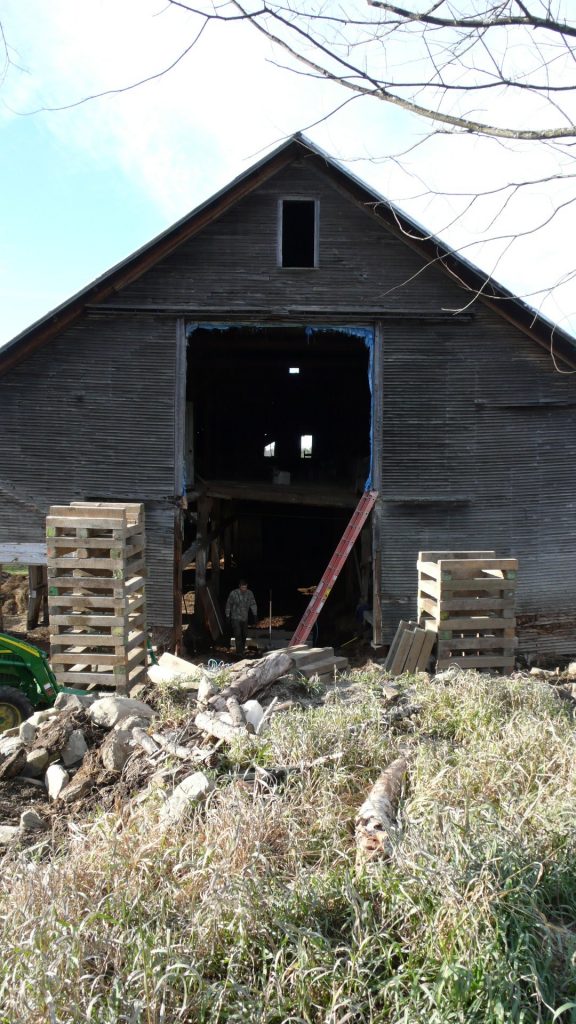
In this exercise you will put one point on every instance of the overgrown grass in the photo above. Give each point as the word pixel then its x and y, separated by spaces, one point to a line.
pixel 251 911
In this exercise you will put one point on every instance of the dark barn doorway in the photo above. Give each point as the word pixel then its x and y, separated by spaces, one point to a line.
pixel 278 452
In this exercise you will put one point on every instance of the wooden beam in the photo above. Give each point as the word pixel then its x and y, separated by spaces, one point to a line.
pixel 23 554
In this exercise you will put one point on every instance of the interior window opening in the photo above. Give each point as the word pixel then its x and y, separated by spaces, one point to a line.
pixel 269 450
pixel 306 446
pixel 298 242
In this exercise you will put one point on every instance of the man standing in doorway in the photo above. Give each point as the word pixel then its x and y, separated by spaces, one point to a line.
pixel 239 603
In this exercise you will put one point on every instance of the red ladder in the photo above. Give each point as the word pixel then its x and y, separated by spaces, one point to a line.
pixel 359 517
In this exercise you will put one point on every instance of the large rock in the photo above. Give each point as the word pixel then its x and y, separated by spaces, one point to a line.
pixel 36 763
pixel 56 779
pixel 116 749
pixel 75 748
pixel 108 711
pixel 10 745
pixel 132 722
pixel 191 790
pixel 27 733
pixel 74 701
pixel 39 717
pixel 174 671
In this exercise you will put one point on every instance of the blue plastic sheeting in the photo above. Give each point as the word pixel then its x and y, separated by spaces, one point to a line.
pixel 366 333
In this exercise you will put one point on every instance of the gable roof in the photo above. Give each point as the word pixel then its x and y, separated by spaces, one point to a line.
pixel 543 331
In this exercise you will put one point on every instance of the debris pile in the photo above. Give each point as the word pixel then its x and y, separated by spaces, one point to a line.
pixel 91 748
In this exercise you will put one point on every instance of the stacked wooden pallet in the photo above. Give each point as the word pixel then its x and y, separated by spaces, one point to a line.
pixel 96 597
pixel 468 598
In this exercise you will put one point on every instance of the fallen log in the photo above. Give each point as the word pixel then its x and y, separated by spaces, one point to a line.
pixel 376 818
pixel 256 678
pixel 235 711
pixel 210 723
pixel 144 740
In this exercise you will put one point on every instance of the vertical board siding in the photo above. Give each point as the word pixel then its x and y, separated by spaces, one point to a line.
pixel 91 415
pixel 479 451
pixel 232 265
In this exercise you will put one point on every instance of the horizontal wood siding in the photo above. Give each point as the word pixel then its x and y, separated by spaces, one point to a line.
pixel 232 265
pixel 478 451
pixel 92 416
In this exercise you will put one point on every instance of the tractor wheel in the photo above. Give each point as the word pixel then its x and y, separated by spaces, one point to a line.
pixel 14 708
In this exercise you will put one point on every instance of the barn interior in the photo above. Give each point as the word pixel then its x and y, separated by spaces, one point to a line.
pixel 277 445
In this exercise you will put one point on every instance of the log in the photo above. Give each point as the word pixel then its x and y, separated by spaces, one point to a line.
pixel 376 818
pixel 176 749
pixel 210 723
pixel 141 737
pixel 257 677
pixel 235 711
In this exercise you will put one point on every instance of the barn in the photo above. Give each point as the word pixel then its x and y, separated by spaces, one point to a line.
pixel 249 372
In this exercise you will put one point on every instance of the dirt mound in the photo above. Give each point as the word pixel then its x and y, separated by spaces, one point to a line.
pixel 13 593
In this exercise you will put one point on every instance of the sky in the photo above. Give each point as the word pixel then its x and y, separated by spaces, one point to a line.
pixel 82 188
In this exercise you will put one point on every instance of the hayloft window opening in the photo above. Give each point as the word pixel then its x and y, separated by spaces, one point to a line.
pixel 269 450
pixel 298 233
pixel 294 370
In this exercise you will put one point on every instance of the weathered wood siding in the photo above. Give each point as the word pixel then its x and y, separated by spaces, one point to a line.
pixel 478 451
pixel 91 415
pixel 231 267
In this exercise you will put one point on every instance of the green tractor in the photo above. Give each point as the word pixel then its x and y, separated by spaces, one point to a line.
pixel 27 682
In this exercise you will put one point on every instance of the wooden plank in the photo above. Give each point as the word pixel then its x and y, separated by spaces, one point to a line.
pixel 402 625
pixel 453 565
pixel 82 602
pixel 426 649
pixel 471 643
pixel 481 623
pixel 82 621
pixel 435 556
pixel 462 603
pixel 478 584
pixel 404 645
pixel 22 554
pixel 419 635
pixel 480 661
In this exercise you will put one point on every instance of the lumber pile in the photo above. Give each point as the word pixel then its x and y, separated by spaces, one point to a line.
pixel 411 649
pixel 96 594
pixel 468 598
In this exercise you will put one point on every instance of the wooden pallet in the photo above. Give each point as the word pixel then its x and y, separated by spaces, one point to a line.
pixel 410 650
pixel 96 594
pixel 469 598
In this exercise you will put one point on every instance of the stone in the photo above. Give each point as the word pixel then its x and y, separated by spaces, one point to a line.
pixel 108 711
pixel 191 790
pixel 31 821
pixel 12 764
pixel 76 701
pixel 28 733
pixel 253 713
pixel 10 745
pixel 75 748
pixel 133 722
pixel 39 717
pixel 116 749
pixel 80 786
pixel 175 671
pixel 36 763
pixel 7 834
pixel 56 779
